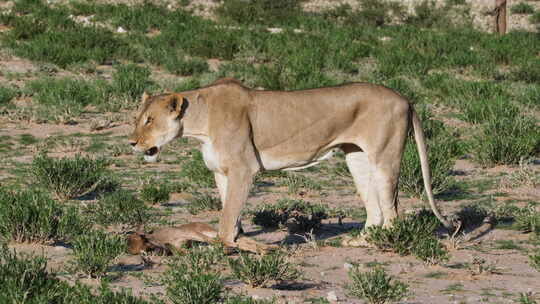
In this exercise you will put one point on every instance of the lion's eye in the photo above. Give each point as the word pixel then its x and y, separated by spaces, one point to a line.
pixel 148 120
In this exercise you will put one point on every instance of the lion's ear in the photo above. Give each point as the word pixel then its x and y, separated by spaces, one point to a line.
pixel 145 97
pixel 178 104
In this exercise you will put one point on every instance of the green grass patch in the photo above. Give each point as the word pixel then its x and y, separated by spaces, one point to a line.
pixel 67 96
pixel 534 259
pixel 203 202
pixel 68 178
pixel 260 12
pixel 296 215
pixel 6 94
pixel 27 139
pixel 506 140
pixel 259 271
pixel 155 193
pixel 45 33
pixel 522 8
pixel 120 207
pixel 32 216
pixel 411 234
pixel 94 252
pixel 376 286
pixel 195 171
pixel 192 278
pixel 296 182
pixel 131 80
pixel 25 279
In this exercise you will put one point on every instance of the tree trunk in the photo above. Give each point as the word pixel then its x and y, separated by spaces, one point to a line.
pixel 500 17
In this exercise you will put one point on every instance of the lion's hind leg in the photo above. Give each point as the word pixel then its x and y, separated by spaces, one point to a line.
pixel 362 172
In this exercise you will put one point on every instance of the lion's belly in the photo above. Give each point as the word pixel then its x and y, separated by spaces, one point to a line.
pixel 289 163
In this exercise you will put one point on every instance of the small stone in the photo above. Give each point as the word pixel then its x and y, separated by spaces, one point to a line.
pixel 347 266
pixel 331 296
pixel 323 274
pixel 120 30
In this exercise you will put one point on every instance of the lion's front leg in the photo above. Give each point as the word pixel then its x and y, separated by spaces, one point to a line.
pixel 221 182
pixel 238 184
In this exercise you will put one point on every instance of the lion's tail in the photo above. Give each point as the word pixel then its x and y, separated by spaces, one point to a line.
pixel 422 151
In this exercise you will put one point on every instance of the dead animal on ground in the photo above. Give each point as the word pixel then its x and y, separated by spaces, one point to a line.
pixel 166 240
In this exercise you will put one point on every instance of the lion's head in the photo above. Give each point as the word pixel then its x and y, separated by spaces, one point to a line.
pixel 158 122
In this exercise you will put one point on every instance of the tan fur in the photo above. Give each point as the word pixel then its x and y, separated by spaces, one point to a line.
pixel 244 131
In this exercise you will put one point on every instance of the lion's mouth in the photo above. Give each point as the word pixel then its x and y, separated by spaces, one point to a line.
pixel 152 151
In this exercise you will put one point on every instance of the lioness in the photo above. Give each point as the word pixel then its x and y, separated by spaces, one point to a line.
pixel 244 131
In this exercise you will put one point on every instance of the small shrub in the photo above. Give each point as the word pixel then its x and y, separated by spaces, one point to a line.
pixel 535 259
pixel 31 216
pixel 202 258
pixel 67 96
pixel 191 285
pixel 412 234
pixel 120 207
pixel 203 202
pixel 194 169
pixel 528 220
pixel 295 182
pixel 24 279
pixel 48 34
pixel 93 252
pixel 260 270
pixel 239 299
pixel 6 94
pixel 131 81
pixel 535 18
pixel 506 140
pixel 260 12
pixel 377 13
pixel 69 178
pixel 376 286
pixel 155 194
pixel 186 67
pixel 296 215
pixel 522 8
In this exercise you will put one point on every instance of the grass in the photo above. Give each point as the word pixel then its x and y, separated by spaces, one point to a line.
pixel 260 12
pixel 522 8
pixel 32 216
pixel 61 97
pixel 191 279
pixel 506 140
pixel 259 271
pixel 375 286
pixel 6 94
pixel 534 259
pixel 131 81
pixel 47 34
pixel 295 182
pixel 25 279
pixel 120 207
pixel 68 178
pixel 411 234
pixel 195 171
pixel 94 251
pixel 297 215
pixel 203 202
pixel 155 194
